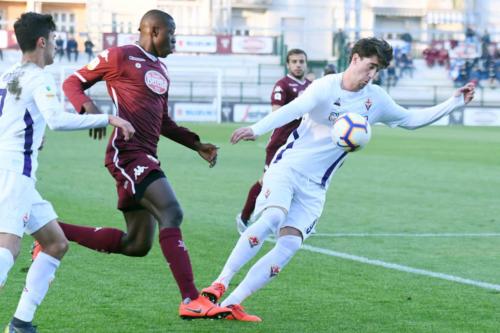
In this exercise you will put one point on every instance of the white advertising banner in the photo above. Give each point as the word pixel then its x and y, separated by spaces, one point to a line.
pixel 202 112
pixel 4 39
pixel 482 117
pixel 202 44
pixel 250 113
pixel 251 44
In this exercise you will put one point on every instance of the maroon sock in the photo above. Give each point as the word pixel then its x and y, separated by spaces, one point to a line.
pixel 177 256
pixel 99 239
pixel 250 203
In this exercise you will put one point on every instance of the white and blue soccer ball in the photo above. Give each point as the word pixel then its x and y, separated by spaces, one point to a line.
pixel 351 132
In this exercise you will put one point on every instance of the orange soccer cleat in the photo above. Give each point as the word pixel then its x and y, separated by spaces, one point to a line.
pixel 238 313
pixel 214 292
pixel 36 248
pixel 202 308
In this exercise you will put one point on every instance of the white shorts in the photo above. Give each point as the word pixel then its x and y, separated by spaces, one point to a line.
pixel 22 209
pixel 302 199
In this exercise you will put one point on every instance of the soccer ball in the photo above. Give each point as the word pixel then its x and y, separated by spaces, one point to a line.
pixel 351 132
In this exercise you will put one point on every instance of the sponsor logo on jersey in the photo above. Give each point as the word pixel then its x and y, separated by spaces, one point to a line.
pixel 278 89
pixel 49 93
pixel 93 64
pixel 275 269
pixel 156 82
pixel 135 58
pixel 368 104
pixel 333 116
pixel 277 96
pixel 137 65
pixel 253 241
pixel 139 170
pixel 267 193
pixel 337 102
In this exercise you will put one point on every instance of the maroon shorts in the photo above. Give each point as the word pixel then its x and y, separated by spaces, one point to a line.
pixel 129 171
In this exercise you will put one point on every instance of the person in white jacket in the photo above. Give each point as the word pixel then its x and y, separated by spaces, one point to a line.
pixel 295 185
pixel 29 102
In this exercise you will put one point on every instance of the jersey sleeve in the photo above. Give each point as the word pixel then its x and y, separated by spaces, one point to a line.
pixel 396 115
pixel 106 66
pixel 179 134
pixel 44 95
pixel 301 105
pixel 278 96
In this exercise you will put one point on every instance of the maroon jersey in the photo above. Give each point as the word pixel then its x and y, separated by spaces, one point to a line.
pixel 138 83
pixel 284 91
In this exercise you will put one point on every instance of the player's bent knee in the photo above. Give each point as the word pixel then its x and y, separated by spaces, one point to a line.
pixel 289 245
pixel 137 250
pixel 172 216
pixel 56 249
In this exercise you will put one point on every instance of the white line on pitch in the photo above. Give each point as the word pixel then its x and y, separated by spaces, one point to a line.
pixel 402 234
pixel 402 268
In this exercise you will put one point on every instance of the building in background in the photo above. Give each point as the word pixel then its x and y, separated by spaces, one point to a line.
pixel 308 24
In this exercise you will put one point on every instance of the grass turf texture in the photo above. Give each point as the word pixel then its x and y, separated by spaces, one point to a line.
pixel 434 180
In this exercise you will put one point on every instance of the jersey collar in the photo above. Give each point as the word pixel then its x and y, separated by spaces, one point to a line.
pixel 298 81
pixel 149 55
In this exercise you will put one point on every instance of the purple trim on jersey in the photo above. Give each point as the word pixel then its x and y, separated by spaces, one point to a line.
pixel 330 169
pixel 28 143
pixel 3 96
pixel 288 146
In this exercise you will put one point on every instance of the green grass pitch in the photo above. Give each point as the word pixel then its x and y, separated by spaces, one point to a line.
pixel 437 180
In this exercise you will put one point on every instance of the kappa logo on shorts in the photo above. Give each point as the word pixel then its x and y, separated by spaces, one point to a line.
pixel 274 271
pixel 156 82
pixel 139 170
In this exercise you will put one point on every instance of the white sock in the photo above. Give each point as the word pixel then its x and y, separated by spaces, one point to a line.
pixel 40 275
pixel 6 263
pixel 250 243
pixel 265 269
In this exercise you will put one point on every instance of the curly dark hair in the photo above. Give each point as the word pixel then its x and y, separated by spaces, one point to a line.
pixel 368 47
pixel 31 26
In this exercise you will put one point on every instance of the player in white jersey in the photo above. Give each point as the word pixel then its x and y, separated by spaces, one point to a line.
pixel 28 103
pixel 295 185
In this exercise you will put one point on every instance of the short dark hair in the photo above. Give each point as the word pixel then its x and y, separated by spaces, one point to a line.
pixel 31 26
pixel 295 51
pixel 368 47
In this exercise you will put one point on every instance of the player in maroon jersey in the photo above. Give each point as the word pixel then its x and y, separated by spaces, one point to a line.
pixel 138 83
pixel 284 91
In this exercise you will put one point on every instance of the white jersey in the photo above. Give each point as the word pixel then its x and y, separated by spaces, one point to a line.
pixel 28 102
pixel 310 149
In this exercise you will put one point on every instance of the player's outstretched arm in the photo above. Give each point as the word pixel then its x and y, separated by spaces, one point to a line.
pixel 127 128
pixel 208 152
pixel 242 133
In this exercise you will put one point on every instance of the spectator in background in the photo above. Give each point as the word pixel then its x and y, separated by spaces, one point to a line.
pixel 60 47
pixel 72 48
pixel 89 48
pixel 329 69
